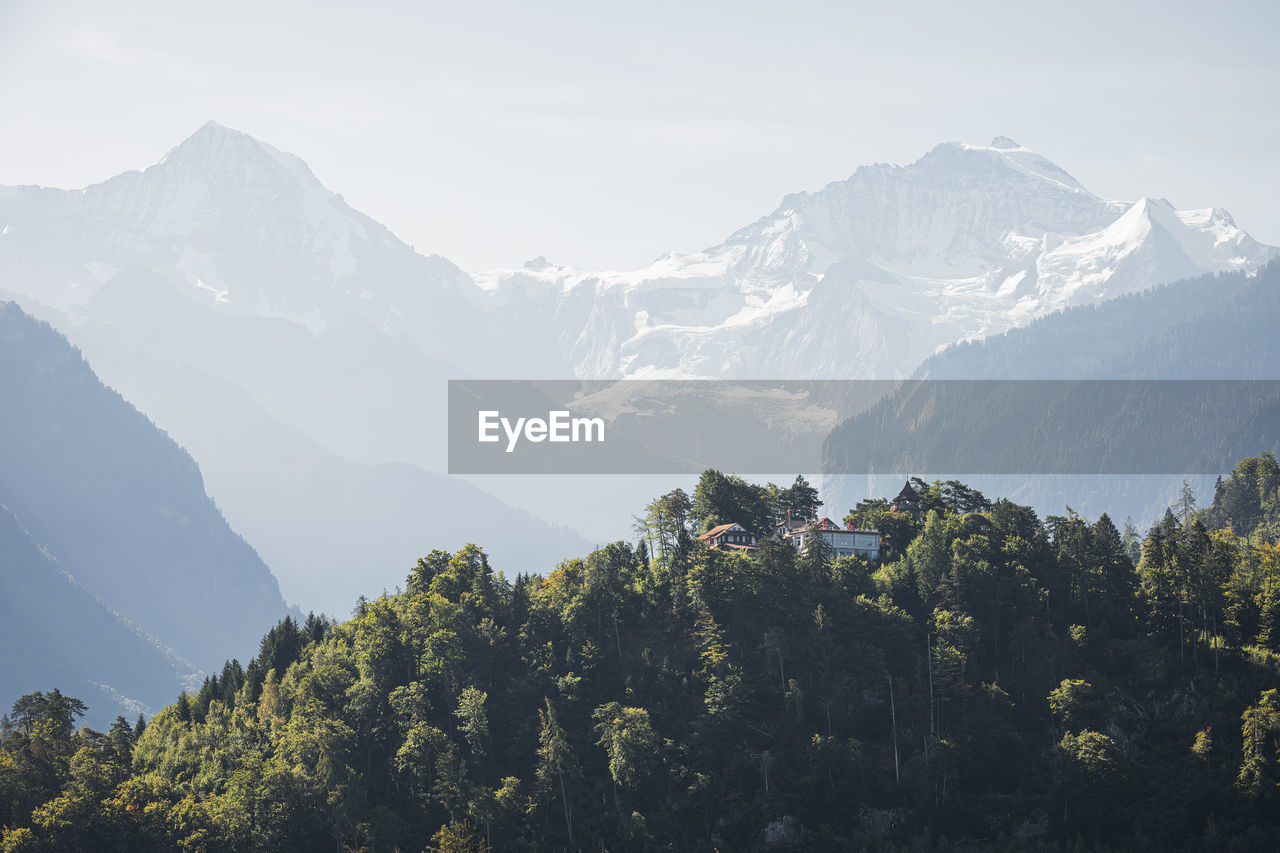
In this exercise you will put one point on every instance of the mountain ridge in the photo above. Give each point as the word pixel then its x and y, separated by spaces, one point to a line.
pixel 115 498
pixel 112 549
pixel 54 627
pixel 864 278
pixel 966 241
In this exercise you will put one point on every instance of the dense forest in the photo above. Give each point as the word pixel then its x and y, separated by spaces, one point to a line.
pixel 996 681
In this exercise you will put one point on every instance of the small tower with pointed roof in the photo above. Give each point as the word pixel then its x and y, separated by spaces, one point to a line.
pixel 907 500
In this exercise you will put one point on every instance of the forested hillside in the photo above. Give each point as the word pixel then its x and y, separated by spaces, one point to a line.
pixel 1027 429
pixel 1207 328
pixel 1211 327
pixel 53 631
pixel 118 506
pixel 998 681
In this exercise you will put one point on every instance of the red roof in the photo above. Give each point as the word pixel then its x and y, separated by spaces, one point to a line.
pixel 827 524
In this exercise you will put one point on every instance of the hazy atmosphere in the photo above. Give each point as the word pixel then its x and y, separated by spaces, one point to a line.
pixel 603 135
pixel 495 428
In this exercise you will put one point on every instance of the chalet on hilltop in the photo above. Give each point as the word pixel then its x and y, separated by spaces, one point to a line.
pixel 801 533
pixel 730 537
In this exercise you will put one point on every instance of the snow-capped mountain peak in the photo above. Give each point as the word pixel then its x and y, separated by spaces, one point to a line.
pixel 866 276
pixel 237 224
pixel 870 275
pixel 228 157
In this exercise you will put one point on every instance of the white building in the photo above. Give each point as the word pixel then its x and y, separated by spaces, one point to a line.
pixel 843 541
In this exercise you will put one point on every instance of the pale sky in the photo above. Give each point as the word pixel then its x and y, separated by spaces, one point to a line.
pixel 603 135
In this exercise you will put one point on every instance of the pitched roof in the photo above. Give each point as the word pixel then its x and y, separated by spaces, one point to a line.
pixel 907 493
pixel 716 531
pixel 828 524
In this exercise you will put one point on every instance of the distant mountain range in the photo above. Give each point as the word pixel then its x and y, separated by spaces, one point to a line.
pixel 227 277
pixel 116 564
pixel 869 276
pixel 864 278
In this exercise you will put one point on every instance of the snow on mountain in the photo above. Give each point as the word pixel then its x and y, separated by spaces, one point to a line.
pixel 246 229
pixel 228 264
pixel 230 258
pixel 865 277
pixel 870 275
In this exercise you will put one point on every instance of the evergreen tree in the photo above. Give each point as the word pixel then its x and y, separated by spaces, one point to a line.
pixel 998 667
pixel 1186 503
pixel 556 761
pixel 800 501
